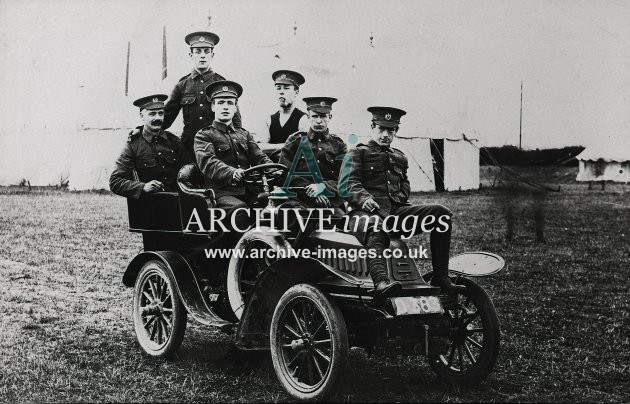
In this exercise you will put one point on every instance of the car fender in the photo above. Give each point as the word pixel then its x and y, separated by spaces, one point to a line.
pixel 253 329
pixel 186 284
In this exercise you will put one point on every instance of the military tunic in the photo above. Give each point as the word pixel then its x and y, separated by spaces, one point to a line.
pixel 152 157
pixel 189 95
pixel 221 149
pixel 328 150
pixel 378 173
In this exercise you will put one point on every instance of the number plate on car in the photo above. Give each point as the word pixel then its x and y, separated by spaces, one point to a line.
pixel 417 305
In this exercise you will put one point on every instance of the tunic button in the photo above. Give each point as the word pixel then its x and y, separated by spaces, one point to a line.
pixel 160 153
pixel 201 117
pixel 162 166
pixel 320 148
pixel 371 168
pixel 201 105
pixel 318 161
pixel 200 92
pixel 202 81
pixel 388 182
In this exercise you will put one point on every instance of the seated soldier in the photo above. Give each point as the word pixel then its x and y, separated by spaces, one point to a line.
pixel 314 158
pixel 151 157
pixel 223 152
pixel 376 186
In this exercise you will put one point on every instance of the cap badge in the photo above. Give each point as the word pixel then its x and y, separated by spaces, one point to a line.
pixel 388 116
pixel 155 99
pixel 323 103
pixel 202 39
pixel 284 76
pixel 225 88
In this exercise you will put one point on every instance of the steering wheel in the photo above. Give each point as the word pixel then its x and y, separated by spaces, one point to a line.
pixel 264 174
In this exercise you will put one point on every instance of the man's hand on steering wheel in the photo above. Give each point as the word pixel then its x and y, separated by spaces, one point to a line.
pixel 238 175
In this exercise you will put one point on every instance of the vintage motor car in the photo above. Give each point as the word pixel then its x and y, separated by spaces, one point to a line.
pixel 308 312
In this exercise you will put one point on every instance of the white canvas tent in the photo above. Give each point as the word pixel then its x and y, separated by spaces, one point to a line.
pixel 461 163
pixel 605 161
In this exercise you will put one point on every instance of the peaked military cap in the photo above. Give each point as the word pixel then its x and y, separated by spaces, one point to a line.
pixel 202 39
pixel 223 88
pixel 388 117
pixel 319 104
pixel 288 77
pixel 155 101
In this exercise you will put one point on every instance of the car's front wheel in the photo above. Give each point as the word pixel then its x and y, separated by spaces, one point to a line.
pixel 474 337
pixel 159 317
pixel 309 343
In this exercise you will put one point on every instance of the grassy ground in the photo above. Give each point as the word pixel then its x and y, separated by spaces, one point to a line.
pixel 66 332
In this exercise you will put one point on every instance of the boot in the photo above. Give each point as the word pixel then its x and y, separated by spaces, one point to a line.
pixel 448 287
pixel 383 287
pixel 386 288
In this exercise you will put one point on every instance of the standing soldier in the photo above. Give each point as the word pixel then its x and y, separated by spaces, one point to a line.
pixel 189 93
pixel 152 156
pixel 315 157
pixel 377 186
pixel 224 151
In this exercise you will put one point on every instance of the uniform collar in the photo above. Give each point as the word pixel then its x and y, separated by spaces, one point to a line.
pixel 195 73
pixel 149 137
pixel 324 136
pixel 223 127
pixel 373 145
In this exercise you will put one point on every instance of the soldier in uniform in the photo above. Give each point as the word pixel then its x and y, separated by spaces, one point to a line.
pixel 318 153
pixel 378 186
pixel 189 93
pixel 224 151
pixel 152 156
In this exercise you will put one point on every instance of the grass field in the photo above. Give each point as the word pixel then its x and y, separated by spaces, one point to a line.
pixel 66 332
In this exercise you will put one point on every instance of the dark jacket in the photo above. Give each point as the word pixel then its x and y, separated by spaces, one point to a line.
pixel 220 150
pixel 328 150
pixel 156 157
pixel 189 95
pixel 378 173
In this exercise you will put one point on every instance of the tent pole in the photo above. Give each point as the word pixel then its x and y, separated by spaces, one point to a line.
pixel 520 123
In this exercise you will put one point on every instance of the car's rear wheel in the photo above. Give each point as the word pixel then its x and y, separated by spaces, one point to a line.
pixel 309 343
pixel 159 317
pixel 474 339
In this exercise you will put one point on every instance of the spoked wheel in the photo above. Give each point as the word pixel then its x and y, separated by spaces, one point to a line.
pixel 159 317
pixel 309 343
pixel 243 272
pixel 474 340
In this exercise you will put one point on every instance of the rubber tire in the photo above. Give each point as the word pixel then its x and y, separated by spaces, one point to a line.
pixel 491 341
pixel 339 337
pixel 179 317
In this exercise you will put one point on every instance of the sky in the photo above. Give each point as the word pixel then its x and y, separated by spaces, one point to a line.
pixel 454 66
